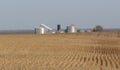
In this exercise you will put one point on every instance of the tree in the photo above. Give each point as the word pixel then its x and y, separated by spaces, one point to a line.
pixel 98 28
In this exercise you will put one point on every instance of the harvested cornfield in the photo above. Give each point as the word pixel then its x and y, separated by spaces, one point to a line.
pixel 82 51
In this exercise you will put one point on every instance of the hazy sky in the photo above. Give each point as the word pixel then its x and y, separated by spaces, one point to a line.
pixel 28 14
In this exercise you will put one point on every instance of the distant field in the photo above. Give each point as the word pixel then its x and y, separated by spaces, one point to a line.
pixel 80 51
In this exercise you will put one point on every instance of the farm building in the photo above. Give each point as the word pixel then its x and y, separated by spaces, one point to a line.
pixel 88 30
pixel 80 30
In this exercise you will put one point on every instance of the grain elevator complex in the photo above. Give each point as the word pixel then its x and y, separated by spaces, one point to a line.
pixel 44 29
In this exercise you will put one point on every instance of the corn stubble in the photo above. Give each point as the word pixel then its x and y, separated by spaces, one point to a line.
pixel 94 51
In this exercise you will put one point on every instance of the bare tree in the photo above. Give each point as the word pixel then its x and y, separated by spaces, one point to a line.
pixel 98 28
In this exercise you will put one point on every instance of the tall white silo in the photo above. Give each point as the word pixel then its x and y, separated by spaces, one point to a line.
pixel 71 29
pixel 43 29
pixel 40 30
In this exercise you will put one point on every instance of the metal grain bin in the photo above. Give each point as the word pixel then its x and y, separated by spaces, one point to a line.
pixel 40 30
pixel 43 29
pixel 71 29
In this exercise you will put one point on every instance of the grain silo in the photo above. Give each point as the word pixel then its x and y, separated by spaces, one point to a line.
pixel 71 29
pixel 58 27
pixel 43 29
pixel 39 30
